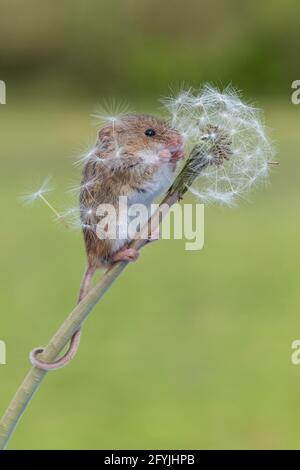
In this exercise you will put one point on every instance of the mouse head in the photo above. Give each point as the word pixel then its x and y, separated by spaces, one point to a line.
pixel 140 137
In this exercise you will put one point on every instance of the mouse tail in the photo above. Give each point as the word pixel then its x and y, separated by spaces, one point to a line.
pixel 75 340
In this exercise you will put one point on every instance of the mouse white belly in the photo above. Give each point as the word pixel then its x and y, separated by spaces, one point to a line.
pixel 143 196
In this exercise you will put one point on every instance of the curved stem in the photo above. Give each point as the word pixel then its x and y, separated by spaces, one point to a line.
pixel 73 322
pixel 194 165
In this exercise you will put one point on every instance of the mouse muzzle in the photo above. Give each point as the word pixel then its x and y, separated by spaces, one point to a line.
pixel 176 147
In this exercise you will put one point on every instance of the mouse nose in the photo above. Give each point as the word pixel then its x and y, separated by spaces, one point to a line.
pixel 176 146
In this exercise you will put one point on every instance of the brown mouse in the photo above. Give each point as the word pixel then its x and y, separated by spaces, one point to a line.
pixel 134 156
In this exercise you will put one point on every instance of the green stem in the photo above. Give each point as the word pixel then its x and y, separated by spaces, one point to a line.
pixel 73 322
pixel 194 165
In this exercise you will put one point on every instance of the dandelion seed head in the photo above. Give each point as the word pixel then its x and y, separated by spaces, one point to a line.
pixel 194 113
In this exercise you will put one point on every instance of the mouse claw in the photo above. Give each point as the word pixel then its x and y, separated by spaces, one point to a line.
pixel 126 254
pixel 178 155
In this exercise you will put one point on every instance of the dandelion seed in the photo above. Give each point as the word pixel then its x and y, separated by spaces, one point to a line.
pixel 81 218
pixel 76 188
pixel 111 111
pixel 72 216
pixel 87 156
pixel 45 188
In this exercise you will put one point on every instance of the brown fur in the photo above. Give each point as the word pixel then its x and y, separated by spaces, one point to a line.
pixel 105 183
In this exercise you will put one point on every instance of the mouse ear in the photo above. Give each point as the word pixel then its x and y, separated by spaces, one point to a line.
pixel 105 135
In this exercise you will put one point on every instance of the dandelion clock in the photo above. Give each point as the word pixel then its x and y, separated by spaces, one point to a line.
pixel 222 119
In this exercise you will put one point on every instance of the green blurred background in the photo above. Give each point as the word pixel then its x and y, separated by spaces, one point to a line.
pixel 188 349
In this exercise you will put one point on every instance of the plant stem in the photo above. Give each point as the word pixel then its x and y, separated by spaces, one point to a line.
pixel 73 322
pixel 194 165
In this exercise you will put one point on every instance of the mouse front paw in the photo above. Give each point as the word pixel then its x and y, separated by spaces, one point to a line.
pixel 165 156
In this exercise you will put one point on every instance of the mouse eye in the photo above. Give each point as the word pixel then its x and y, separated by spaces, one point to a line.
pixel 150 132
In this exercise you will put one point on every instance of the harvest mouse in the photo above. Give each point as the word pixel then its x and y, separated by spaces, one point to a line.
pixel 134 156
